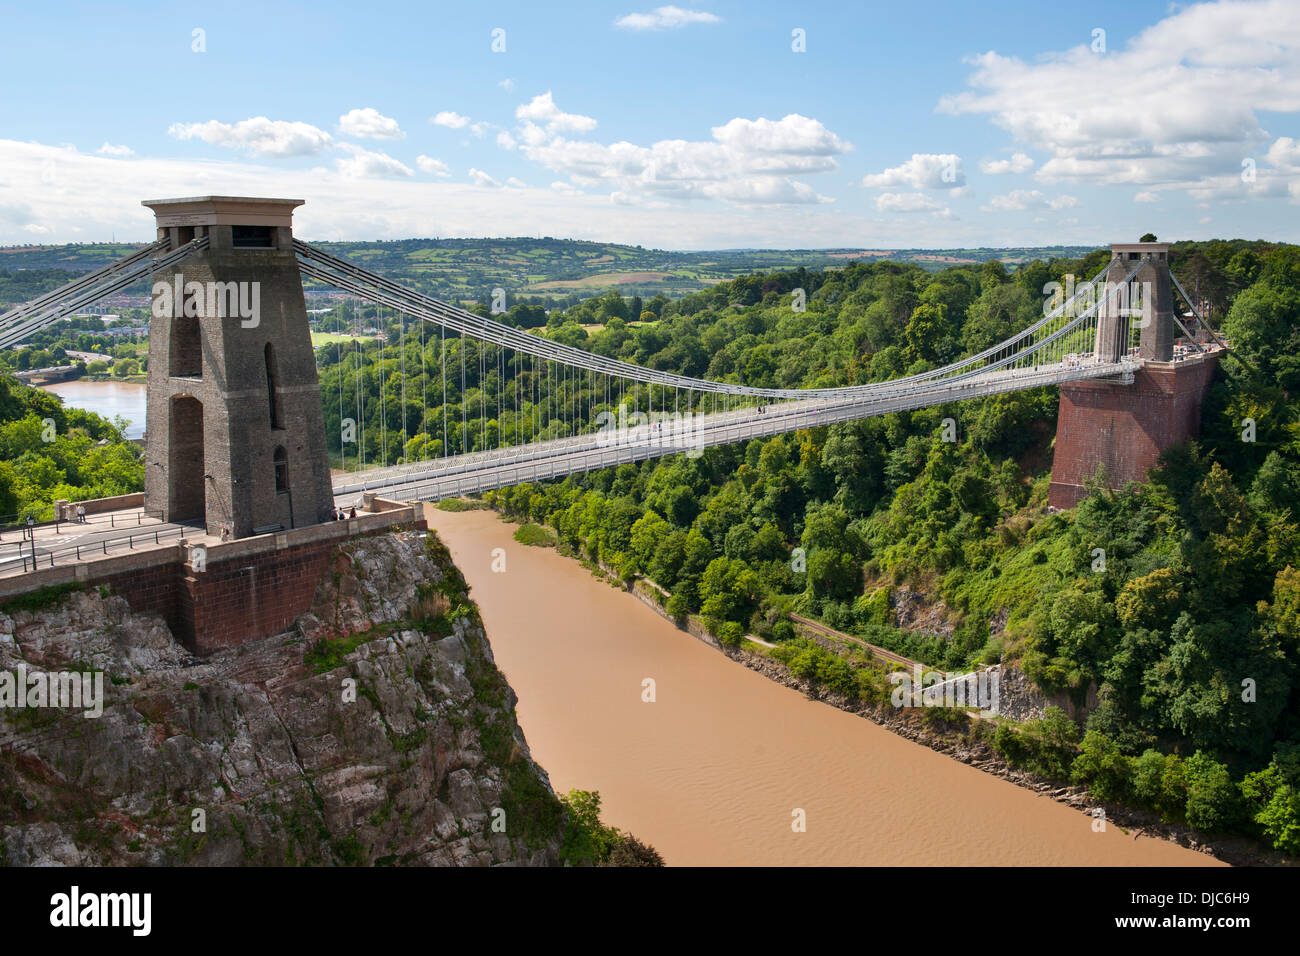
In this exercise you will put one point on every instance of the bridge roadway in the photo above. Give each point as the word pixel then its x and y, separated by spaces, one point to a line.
pixel 110 534
pixel 592 451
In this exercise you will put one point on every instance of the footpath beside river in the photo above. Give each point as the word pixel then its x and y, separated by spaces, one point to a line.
pixel 712 771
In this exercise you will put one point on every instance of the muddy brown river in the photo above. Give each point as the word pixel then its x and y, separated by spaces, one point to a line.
pixel 714 769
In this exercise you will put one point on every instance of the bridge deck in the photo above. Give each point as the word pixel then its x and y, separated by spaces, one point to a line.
pixel 539 461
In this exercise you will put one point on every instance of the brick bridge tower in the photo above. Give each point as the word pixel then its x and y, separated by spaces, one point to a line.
pixel 235 434
pixel 1126 427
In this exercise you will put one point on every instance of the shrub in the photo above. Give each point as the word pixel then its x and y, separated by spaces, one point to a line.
pixel 872 608
pixel 535 536
pixel 1102 768
pixel 678 607
pixel 1159 783
pixel 1273 797
pixel 731 633
pixel 1046 746
pixel 1212 799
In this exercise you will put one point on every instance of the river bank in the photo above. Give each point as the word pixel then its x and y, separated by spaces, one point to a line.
pixel 966 741
pixel 719 765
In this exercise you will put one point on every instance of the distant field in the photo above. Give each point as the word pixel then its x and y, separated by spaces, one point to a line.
pixel 602 280
pixel 330 338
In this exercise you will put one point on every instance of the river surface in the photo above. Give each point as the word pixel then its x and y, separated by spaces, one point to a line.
pixel 108 399
pixel 713 770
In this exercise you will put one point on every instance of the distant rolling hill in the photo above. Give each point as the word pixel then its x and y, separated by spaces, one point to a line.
pixel 466 269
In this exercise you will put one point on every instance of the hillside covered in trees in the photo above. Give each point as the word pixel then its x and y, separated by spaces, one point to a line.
pixel 50 452
pixel 1190 636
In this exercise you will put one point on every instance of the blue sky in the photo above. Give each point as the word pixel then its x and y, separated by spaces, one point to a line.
pixel 697 125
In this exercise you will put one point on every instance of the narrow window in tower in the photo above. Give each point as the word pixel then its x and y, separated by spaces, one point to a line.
pixel 281 470
pixel 272 387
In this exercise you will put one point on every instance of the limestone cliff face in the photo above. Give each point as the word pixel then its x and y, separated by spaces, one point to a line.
pixel 378 731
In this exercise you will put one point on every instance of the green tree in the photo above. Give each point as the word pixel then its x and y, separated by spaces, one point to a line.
pixel 1101 767
pixel 1272 797
pixel 1159 782
pixel 1212 798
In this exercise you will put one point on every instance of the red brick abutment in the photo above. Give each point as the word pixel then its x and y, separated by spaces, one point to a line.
pixel 1126 428
pixel 237 591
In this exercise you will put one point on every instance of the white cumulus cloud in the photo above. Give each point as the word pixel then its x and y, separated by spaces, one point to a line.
pixel 367 164
pixel 748 161
pixel 108 149
pixel 436 167
pixel 450 119
pixel 665 18
pixel 1284 154
pixel 541 110
pixel 1018 163
pixel 258 136
pixel 922 171
pixel 1178 106
pixel 369 123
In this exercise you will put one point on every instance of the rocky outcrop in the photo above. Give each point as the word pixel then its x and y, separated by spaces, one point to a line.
pixel 378 731
pixel 916 611
pixel 1021 699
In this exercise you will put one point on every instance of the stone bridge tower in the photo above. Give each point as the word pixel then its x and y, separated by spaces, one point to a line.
pixel 235 435
pixel 1125 427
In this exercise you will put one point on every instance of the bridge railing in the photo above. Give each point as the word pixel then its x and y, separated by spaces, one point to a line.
pixel 32 557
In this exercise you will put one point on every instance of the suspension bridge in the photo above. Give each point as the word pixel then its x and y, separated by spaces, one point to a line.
pixel 236 436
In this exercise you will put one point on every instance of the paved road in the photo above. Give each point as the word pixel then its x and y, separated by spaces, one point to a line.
pixel 103 535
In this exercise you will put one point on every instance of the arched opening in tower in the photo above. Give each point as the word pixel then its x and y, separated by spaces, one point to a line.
pixel 187 488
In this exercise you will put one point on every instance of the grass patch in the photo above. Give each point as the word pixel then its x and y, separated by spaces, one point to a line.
pixel 329 652
pixel 39 599
pixel 461 504
pixel 536 536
